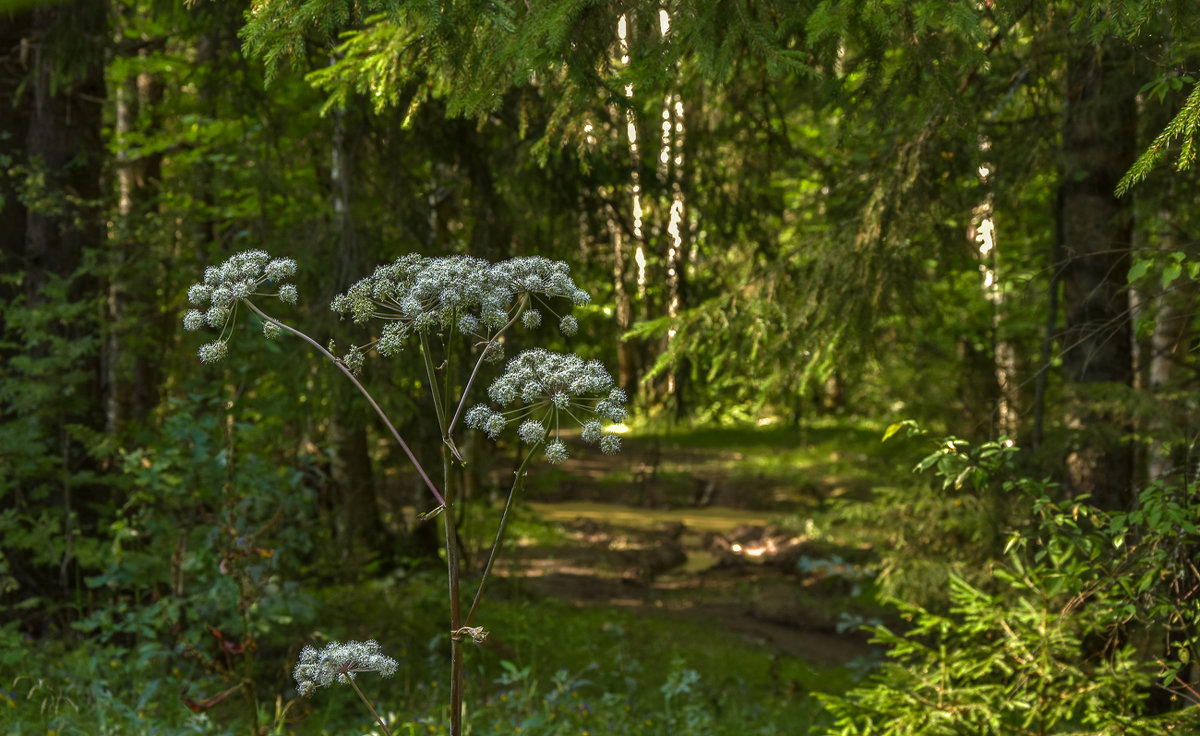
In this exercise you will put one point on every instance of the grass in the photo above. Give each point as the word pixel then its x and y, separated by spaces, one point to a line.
pixel 831 446
pixel 763 467
pixel 551 668
pixel 555 669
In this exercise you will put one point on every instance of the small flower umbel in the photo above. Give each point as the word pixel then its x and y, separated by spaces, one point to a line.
pixel 340 663
pixel 549 390
pixel 233 282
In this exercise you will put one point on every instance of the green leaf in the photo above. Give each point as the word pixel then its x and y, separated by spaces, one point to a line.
pixel 1171 272
pixel 1012 540
pixel 891 430
pixel 1139 269
pixel 927 462
pixel 1169 676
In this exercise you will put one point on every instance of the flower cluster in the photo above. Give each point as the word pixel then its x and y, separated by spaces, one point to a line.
pixel 225 286
pixel 339 663
pixel 548 386
pixel 419 294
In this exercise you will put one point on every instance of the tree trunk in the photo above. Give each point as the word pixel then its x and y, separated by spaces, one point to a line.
pixel 1169 343
pixel 64 141
pixel 627 374
pixel 15 34
pixel 356 512
pixel 135 328
pixel 1099 134
pixel 672 172
pixel 1006 415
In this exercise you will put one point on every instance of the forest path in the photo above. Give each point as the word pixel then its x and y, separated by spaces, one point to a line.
pixel 728 526
pixel 728 567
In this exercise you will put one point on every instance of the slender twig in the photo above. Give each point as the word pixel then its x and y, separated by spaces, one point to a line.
pixel 487 570
pixel 370 707
pixel 370 399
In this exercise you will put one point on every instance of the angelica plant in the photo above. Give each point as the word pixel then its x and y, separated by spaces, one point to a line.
pixel 426 309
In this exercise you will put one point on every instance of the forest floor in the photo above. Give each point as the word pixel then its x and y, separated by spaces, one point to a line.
pixel 707 533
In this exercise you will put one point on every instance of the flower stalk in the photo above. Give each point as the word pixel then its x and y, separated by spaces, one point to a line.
pixel 366 394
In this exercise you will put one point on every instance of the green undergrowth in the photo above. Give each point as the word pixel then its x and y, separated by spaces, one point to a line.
pixel 548 668
pixel 825 450
pixel 759 466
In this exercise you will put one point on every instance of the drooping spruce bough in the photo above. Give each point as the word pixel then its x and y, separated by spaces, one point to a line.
pixel 435 305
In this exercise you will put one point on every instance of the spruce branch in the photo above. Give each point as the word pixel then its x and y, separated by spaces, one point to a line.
pixel 1183 124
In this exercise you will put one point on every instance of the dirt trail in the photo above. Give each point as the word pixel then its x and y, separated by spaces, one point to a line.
pixel 717 565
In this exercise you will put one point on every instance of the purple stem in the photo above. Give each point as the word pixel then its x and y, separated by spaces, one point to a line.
pixel 370 399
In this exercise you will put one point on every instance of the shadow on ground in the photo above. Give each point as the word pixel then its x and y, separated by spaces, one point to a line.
pixel 728 567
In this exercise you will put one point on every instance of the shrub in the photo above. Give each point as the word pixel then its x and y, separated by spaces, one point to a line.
pixel 1087 621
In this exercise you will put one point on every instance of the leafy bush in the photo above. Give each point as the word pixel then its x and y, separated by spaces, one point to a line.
pixel 1086 614
pixel 934 529
pixel 195 576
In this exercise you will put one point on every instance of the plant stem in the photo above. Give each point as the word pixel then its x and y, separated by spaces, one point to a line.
pixel 370 707
pixel 456 654
pixel 370 399
pixel 487 570
pixel 249 689
pixel 433 387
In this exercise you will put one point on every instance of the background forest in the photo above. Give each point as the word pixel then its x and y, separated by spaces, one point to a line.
pixel 964 227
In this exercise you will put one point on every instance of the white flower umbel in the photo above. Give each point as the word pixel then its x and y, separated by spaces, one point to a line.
pixel 549 389
pixel 339 663
pixel 227 285
pixel 415 294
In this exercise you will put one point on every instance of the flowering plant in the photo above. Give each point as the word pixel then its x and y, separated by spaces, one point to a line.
pixel 437 303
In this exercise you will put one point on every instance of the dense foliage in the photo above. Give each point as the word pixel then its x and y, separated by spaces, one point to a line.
pixel 955 215
pixel 1084 618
